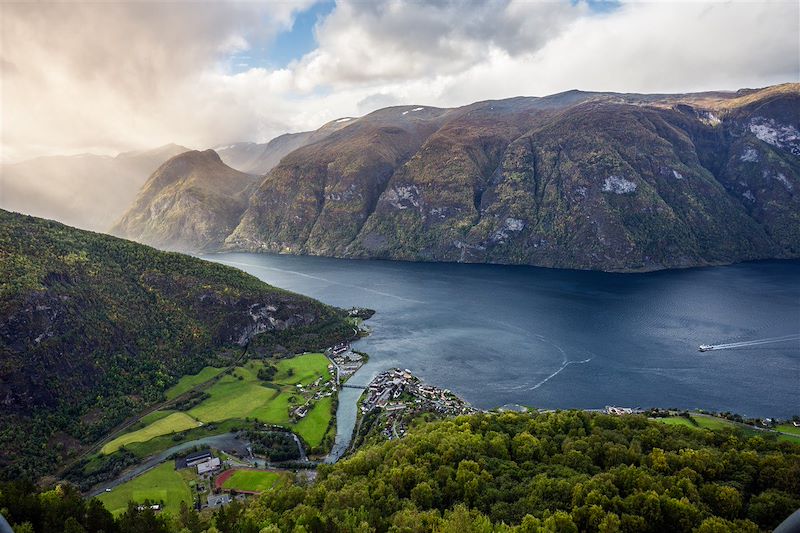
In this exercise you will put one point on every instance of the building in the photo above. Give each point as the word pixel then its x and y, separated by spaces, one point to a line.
pixel 198 457
pixel 208 466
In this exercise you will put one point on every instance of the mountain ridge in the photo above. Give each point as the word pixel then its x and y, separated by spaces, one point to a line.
pixel 192 201
pixel 588 180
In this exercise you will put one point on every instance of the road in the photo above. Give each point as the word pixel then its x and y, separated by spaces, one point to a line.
pixel 226 442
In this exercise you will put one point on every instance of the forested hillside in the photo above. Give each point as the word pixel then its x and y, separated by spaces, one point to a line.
pixel 558 472
pixel 94 328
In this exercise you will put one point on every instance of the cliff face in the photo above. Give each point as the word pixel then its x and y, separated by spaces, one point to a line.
pixel 192 202
pixel 576 180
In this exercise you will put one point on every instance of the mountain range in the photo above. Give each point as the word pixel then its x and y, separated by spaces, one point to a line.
pixel 587 180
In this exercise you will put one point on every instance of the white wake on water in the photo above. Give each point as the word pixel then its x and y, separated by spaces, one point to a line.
pixel 755 342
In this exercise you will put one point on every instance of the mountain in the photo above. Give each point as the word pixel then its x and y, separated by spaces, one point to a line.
pixel 94 328
pixel 193 201
pixel 606 181
pixel 88 191
pixel 260 158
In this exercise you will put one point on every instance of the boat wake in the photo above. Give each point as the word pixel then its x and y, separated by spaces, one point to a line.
pixel 742 344
pixel 564 364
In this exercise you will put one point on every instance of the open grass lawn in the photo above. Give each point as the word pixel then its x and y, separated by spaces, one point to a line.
pixel 315 424
pixel 676 421
pixel 252 480
pixel 232 397
pixel 172 423
pixel 713 422
pixel 162 483
pixel 188 382
pixel 794 439
pixel 152 417
pixel 159 444
pixel 302 369
pixel 788 428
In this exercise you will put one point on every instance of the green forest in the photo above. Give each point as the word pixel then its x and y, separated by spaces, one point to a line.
pixel 566 471
pixel 93 329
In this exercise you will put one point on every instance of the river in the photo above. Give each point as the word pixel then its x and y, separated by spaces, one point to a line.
pixel 552 338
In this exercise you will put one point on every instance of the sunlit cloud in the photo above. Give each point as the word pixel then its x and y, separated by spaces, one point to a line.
pixel 200 74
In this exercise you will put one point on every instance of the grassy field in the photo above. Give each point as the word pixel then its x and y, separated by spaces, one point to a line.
pixel 162 483
pixel 788 428
pixel 676 421
pixel 252 480
pixel 302 369
pixel 158 444
pixel 172 423
pixel 713 422
pixel 312 428
pixel 187 383
pixel 233 398
pixel 152 417
pixel 702 421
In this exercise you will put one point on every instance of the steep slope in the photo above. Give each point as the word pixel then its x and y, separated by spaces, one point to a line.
pixel 578 180
pixel 193 201
pixel 260 158
pixel 88 191
pixel 93 328
pixel 319 196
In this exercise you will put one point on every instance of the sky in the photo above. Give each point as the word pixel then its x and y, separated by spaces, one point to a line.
pixel 110 76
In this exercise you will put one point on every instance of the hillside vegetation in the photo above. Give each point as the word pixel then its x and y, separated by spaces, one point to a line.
pixel 95 328
pixel 192 201
pixel 577 180
pixel 557 472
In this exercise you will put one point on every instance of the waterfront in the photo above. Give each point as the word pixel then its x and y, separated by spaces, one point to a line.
pixel 559 339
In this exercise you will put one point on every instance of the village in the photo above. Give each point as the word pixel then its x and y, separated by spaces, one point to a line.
pixel 401 396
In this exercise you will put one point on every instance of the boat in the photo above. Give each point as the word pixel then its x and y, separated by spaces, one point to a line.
pixel 705 347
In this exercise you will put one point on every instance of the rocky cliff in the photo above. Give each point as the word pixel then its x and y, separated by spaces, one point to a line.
pixel 576 180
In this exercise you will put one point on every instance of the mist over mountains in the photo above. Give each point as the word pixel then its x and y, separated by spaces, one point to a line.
pixel 86 191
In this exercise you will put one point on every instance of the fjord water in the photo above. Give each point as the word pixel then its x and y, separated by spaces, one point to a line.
pixel 551 338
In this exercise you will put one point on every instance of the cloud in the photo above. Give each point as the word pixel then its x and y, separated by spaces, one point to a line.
pixel 116 76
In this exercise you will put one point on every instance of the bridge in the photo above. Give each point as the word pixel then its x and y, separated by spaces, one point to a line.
pixel 360 387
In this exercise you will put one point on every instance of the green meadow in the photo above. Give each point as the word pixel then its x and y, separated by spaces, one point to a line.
pixel 232 398
pixel 172 423
pixel 314 425
pixel 161 484
pixel 186 383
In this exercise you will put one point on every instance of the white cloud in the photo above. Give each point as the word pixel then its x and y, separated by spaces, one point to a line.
pixel 150 73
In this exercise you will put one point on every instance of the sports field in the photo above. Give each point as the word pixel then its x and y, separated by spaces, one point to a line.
pixel 248 480
pixel 162 483
pixel 171 423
